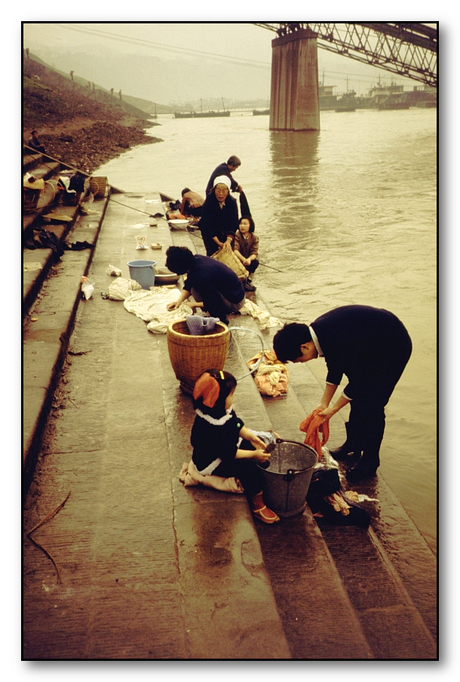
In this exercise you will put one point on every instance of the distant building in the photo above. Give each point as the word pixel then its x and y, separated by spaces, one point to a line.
pixel 327 99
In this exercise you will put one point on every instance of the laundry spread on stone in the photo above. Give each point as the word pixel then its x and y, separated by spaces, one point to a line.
pixel 151 306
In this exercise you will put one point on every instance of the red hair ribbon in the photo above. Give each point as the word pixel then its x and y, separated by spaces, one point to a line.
pixel 208 388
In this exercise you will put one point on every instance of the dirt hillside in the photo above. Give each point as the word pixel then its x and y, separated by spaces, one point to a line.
pixel 78 125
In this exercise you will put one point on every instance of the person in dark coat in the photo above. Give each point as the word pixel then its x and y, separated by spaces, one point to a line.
pixel 371 347
pixel 35 143
pixel 219 217
pixel 225 169
pixel 213 285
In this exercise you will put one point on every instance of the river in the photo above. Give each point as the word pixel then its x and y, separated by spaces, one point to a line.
pixel 349 215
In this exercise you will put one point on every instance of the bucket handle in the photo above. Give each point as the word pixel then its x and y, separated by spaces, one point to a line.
pixel 259 361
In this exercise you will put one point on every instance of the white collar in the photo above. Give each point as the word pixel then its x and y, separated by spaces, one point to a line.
pixel 212 420
pixel 316 342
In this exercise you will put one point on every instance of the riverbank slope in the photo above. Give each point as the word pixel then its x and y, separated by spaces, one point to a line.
pixel 82 126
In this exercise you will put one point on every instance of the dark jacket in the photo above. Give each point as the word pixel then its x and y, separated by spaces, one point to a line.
pixel 222 169
pixel 213 440
pixel 212 279
pixel 218 222
pixel 369 345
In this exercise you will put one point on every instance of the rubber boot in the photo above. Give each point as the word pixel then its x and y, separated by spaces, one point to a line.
pixel 365 468
pixel 369 462
pixel 372 438
pixel 349 450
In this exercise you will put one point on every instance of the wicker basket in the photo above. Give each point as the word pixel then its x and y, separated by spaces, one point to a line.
pixel 229 258
pixel 192 355
pixel 98 185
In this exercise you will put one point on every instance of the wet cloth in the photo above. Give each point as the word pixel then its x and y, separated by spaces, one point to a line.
pixel 190 476
pixel 151 306
pixel 46 240
pixel 316 429
pixel 262 317
pixel 330 502
pixel 271 376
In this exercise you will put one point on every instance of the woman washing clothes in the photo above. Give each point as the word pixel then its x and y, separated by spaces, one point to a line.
pixel 219 218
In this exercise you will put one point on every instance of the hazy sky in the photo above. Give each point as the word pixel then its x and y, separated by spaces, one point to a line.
pixel 242 41
pixel 230 59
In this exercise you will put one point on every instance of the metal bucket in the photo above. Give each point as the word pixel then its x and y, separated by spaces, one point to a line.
pixel 287 478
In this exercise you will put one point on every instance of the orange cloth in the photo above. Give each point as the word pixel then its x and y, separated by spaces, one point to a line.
pixel 317 431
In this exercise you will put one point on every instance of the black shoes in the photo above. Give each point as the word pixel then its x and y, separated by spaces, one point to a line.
pixel 362 470
pixel 248 286
pixel 344 454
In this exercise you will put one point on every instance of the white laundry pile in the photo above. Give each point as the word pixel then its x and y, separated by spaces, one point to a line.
pixel 151 306
pixel 121 288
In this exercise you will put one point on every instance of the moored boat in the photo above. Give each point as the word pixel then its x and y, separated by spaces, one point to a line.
pixel 201 114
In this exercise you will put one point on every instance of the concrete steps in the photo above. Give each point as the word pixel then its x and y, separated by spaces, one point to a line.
pixel 339 583
pixel 350 611
pixel 51 293
pixel 298 589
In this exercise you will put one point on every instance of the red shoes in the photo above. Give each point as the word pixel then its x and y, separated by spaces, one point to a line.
pixel 261 511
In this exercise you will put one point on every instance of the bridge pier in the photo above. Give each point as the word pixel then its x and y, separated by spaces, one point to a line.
pixel 294 98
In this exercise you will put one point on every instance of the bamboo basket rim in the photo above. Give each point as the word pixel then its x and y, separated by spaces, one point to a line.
pixel 201 337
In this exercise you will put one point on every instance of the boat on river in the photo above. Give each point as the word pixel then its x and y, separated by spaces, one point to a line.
pixel 390 105
pixel 347 102
pixel 201 114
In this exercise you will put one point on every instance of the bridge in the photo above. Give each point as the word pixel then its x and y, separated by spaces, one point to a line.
pixel 407 49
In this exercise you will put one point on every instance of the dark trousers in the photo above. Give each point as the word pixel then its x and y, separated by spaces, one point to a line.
pixel 190 210
pixel 216 304
pixel 252 267
pixel 366 424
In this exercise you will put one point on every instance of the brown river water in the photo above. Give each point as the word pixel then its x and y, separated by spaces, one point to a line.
pixel 349 215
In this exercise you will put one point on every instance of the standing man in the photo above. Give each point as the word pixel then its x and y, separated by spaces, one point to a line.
pixel 226 169
pixel 371 347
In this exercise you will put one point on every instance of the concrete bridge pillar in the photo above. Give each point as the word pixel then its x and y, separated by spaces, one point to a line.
pixel 294 99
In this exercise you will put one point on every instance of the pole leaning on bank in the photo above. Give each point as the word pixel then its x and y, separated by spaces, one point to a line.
pixel 294 96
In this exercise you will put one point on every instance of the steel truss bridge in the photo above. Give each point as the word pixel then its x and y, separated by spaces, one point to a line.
pixel 406 49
